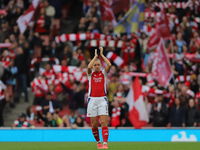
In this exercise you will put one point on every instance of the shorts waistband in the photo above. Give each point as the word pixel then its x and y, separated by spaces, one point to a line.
pixel 98 97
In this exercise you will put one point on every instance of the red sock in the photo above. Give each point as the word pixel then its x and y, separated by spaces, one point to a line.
pixel 105 134
pixel 95 132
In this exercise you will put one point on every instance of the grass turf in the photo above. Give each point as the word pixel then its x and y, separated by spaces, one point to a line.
pixel 92 146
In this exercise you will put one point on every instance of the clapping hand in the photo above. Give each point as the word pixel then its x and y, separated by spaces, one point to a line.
pixel 101 50
pixel 96 55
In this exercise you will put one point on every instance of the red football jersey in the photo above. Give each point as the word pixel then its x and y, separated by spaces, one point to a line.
pixel 97 84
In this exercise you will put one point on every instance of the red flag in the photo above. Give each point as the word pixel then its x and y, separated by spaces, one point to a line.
pixel 138 115
pixel 120 5
pixel 154 39
pixel 161 30
pixel 106 12
pixel 25 19
pixel 161 70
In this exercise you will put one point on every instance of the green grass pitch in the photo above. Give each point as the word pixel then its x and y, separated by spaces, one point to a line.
pixel 92 146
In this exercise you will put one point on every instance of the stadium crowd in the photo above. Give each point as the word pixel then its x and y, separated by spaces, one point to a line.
pixel 55 71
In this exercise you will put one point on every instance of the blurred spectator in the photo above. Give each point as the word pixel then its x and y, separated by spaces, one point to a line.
pixel 159 112
pixel 48 73
pixel 11 82
pixel 80 99
pixel 21 121
pixel 112 87
pixel 50 105
pixel 21 75
pixel 48 120
pixel 50 12
pixel 72 117
pixel 66 122
pixel 79 122
pixel 73 95
pixel 183 96
pixel 42 26
pixel 58 120
pixel 120 96
pixel 30 115
pixel 177 115
pixel 40 91
pixel 65 55
pixel 2 102
pixel 192 114
pixel 116 112
pixel 194 86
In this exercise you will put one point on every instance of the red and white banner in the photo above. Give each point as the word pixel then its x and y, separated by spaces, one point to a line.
pixel 116 59
pixel 182 78
pixel 161 70
pixel 138 115
pixel 105 43
pixel 190 93
pixel 161 30
pixel 5 45
pixel 151 92
pixel 24 19
pixel 136 74
pixel 82 37
pixel 106 12
pixel 154 14
pixel 34 60
pixel 182 5
pixel 91 36
pixel 67 69
pixel 195 57
pixel 62 77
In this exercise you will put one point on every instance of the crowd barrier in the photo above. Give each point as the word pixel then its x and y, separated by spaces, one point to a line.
pixel 85 135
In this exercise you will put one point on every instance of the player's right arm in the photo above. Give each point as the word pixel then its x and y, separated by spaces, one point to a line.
pixel 89 68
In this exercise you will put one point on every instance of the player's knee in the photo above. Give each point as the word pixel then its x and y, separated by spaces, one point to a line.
pixel 95 125
pixel 103 123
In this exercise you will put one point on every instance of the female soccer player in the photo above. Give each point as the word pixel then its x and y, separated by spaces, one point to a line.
pixel 97 103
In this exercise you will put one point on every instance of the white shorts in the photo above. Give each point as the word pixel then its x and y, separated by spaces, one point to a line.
pixel 97 106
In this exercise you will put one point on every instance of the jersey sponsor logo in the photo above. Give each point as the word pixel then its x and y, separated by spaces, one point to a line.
pixel 97 79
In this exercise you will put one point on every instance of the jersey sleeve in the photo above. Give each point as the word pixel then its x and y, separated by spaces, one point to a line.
pixel 105 73
pixel 89 75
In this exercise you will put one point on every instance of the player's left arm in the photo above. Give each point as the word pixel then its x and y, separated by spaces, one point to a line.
pixel 107 69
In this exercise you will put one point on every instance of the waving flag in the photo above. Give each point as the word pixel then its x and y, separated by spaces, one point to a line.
pixel 24 19
pixel 161 30
pixel 138 115
pixel 106 12
pixel 161 70
pixel 120 5
pixel 133 19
